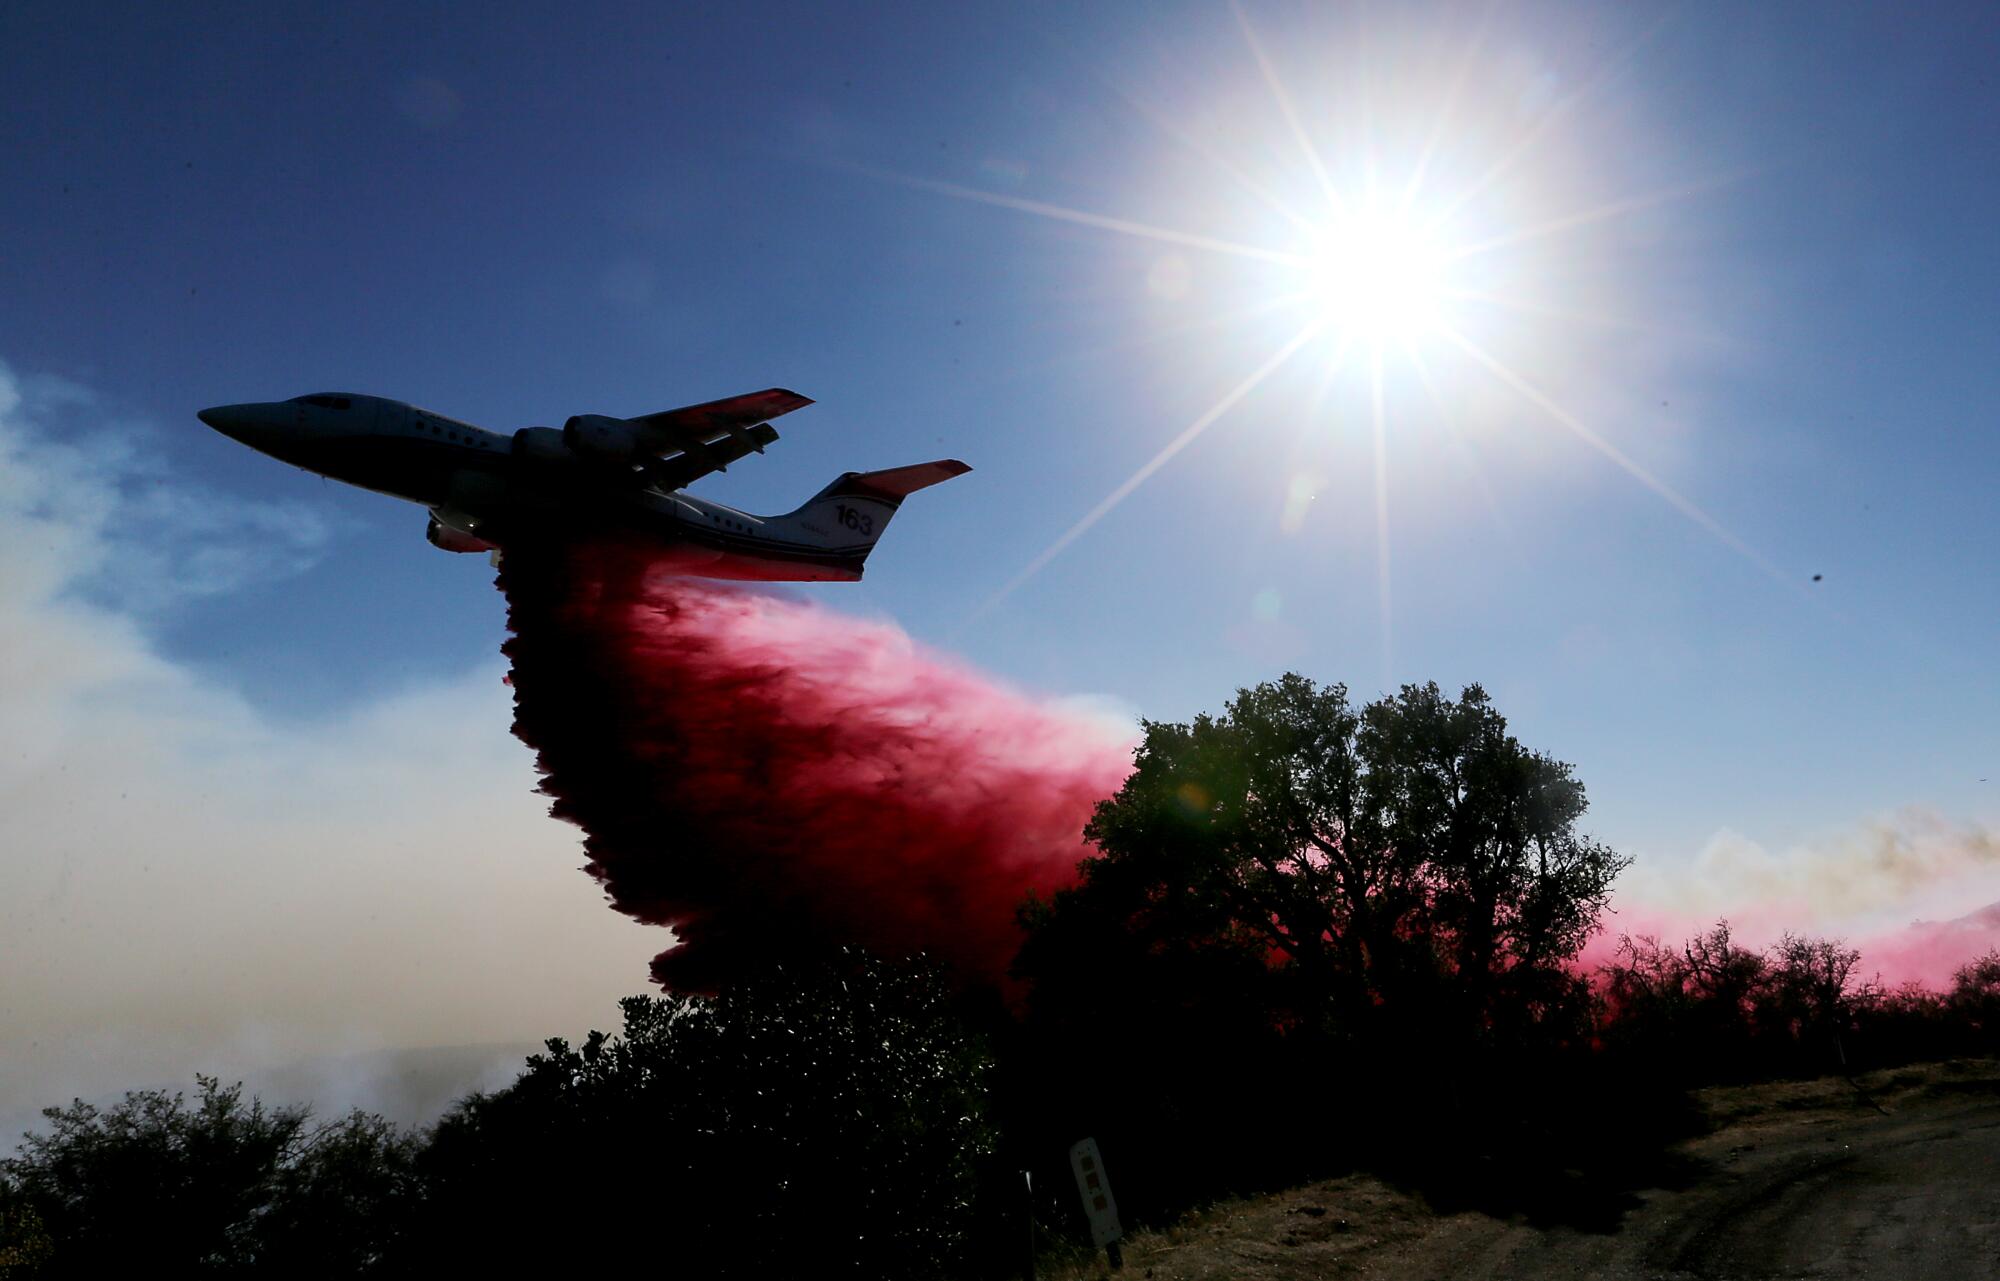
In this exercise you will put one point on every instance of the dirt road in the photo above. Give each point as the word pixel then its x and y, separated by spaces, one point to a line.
pixel 1889 1197
pixel 1811 1181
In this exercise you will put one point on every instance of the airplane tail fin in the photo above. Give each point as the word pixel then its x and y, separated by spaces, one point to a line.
pixel 849 515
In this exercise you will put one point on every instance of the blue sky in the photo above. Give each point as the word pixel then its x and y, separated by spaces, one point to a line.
pixel 1749 252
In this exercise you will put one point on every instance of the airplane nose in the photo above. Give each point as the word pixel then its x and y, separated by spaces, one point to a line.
pixel 232 421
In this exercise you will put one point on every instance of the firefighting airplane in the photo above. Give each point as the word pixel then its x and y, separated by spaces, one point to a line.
pixel 484 488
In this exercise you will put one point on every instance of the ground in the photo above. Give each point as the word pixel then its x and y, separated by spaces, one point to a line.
pixel 1893 1175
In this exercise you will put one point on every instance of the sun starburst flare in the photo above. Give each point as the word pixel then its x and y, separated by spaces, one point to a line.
pixel 1386 270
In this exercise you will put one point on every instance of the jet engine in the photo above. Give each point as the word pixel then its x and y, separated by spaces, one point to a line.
pixel 454 540
pixel 541 445
pixel 610 440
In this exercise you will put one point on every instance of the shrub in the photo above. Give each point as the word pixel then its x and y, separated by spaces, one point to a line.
pixel 156 1184
pixel 825 1120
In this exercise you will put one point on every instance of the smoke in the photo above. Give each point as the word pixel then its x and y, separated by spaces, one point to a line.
pixel 1905 888
pixel 1931 952
pixel 764 775
pixel 1913 860
pixel 196 880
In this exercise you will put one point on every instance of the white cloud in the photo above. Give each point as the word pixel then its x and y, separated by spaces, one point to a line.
pixel 186 884
pixel 104 519
pixel 1882 872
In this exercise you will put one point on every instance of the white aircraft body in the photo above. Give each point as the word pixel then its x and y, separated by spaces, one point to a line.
pixel 485 489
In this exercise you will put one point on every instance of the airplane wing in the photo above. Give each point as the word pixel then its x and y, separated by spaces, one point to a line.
pixel 717 416
pixel 708 437
pixel 683 469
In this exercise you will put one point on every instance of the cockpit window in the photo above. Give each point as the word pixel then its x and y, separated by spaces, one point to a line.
pixel 326 401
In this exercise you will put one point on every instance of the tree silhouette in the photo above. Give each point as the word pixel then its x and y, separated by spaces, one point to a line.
pixel 1362 897
pixel 1368 852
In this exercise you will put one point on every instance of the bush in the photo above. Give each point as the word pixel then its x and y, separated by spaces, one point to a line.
pixel 155 1184
pixel 1709 1011
pixel 816 1120
pixel 1974 1001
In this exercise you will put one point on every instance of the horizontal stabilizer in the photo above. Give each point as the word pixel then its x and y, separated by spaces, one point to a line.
pixel 897 483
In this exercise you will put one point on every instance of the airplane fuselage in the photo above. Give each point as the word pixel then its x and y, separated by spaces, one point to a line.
pixel 485 489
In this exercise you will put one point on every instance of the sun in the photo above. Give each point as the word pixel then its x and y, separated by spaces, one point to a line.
pixel 1377 276
pixel 1404 247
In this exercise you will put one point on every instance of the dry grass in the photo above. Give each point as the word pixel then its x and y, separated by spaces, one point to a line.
pixel 1334 1228
pixel 1780 1101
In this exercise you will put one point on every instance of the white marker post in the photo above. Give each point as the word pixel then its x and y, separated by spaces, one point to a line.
pixel 1094 1185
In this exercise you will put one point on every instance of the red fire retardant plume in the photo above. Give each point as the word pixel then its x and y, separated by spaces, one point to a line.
pixel 761 773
